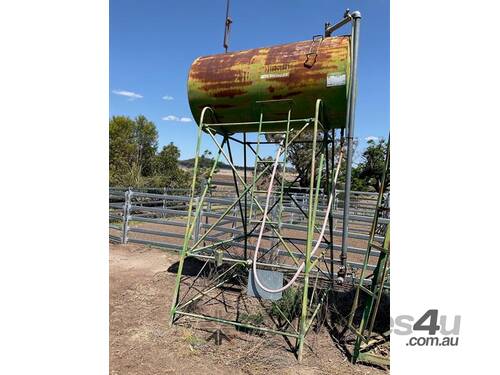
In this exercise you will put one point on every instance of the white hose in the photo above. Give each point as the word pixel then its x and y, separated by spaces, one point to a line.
pixel 318 243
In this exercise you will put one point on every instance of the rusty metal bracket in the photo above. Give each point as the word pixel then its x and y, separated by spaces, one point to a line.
pixel 313 51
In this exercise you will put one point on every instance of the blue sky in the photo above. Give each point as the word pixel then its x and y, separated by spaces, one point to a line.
pixel 153 43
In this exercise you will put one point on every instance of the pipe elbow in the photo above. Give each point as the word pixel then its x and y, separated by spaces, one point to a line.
pixel 356 14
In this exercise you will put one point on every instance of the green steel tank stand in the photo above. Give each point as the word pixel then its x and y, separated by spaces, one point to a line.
pixel 280 92
pixel 197 248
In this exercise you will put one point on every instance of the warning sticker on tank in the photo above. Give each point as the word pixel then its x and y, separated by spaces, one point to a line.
pixel 335 79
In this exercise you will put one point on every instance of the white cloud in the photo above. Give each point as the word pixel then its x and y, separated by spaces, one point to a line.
pixel 129 94
pixel 371 138
pixel 168 97
pixel 170 118
pixel 175 118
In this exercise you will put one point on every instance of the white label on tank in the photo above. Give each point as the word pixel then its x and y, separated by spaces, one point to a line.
pixel 274 75
pixel 335 79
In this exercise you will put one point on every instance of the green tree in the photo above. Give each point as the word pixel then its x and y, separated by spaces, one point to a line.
pixel 299 154
pixel 131 176
pixel 122 148
pixel 263 182
pixel 146 139
pixel 368 173
pixel 167 159
pixel 132 149
pixel 167 171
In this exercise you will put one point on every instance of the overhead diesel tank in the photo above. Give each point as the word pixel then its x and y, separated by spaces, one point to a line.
pixel 238 86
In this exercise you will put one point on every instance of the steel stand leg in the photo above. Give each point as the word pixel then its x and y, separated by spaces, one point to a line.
pixel 310 227
pixel 189 227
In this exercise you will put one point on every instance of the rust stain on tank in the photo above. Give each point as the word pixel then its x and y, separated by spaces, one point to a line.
pixel 204 68
pixel 229 93
pixel 209 87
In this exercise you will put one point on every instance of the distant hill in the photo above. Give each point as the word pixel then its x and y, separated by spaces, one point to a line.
pixel 207 163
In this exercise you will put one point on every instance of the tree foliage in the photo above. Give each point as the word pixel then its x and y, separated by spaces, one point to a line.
pixel 300 156
pixel 167 158
pixel 167 171
pixel 133 157
pixel 122 147
pixel 367 175
pixel 146 140
pixel 265 180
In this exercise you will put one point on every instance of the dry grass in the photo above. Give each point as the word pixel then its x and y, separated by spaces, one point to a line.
pixel 141 342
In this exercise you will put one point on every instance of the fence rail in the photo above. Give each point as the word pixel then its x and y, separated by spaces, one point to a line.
pixel 157 217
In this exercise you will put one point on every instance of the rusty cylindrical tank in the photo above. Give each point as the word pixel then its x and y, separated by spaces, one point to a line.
pixel 239 85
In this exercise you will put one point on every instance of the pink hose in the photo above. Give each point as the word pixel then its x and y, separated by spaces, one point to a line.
pixel 318 243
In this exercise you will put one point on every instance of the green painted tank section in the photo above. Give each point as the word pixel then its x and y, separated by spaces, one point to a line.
pixel 239 85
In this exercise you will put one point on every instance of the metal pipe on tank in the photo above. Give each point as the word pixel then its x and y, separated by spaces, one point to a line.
pixel 356 19
pixel 329 29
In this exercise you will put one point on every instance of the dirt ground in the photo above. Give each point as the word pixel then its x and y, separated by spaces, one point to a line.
pixel 141 341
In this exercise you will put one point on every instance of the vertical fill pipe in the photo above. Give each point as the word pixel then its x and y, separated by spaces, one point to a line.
pixel 356 19
pixel 245 228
